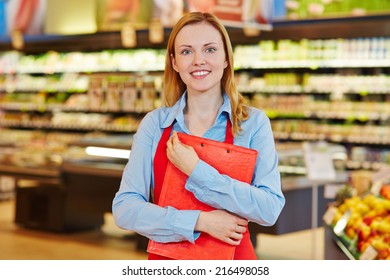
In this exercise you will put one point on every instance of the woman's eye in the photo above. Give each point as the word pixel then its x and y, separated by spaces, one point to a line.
pixel 186 52
pixel 211 50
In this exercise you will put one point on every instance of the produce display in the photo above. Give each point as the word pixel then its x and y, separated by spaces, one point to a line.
pixel 362 223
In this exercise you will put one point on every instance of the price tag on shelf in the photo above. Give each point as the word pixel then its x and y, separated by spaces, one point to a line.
pixel 156 32
pixel 342 223
pixel 319 162
pixel 329 215
pixel 251 31
pixel 7 183
pixel 17 39
pixel 128 36
pixel 369 254
pixel 378 178
pixel 330 190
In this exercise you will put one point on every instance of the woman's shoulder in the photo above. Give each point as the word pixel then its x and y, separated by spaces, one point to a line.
pixel 156 117
pixel 158 113
pixel 257 123
pixel 257 119
pixel 152 123
pixel 256 113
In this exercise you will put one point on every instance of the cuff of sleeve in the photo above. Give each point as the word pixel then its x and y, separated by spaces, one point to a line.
pixel 185 223
pixel 199 180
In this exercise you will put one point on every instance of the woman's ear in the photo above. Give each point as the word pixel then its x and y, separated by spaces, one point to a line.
pixel 173 62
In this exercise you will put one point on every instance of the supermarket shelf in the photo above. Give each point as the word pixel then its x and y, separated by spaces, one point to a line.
pixel 304 136
pixel 91 168
pixel 334 248
pixel 302 182
pixel 298 89
pixel 108 141
pixel 345 250
pixel 47 125
pixel 315 64
pixel 343 115
pixel 49 175
pixel 348 27
pixel 328 115
pixel 19 106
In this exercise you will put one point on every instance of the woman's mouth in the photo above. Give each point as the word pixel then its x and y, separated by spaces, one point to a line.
pixel 201 73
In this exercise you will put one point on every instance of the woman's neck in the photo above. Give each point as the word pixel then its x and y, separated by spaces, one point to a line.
pixel 201 112
pixel 203 103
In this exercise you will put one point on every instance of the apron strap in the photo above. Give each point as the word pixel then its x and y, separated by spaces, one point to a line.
pixel 160 163
pixel 229 138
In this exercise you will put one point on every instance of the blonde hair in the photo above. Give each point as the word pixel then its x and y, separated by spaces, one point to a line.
pixel 174 87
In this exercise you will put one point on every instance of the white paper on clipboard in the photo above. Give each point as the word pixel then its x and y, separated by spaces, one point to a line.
pixel 318 161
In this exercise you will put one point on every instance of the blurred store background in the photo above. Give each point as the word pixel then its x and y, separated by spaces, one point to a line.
pixel 77 77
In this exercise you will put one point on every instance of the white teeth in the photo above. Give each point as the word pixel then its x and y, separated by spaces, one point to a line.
pixel 200 73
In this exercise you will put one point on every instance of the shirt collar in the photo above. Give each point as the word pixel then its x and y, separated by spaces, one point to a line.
pixel 226 107
pixel 177 110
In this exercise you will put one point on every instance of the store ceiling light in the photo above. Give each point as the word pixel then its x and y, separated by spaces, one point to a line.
pixel 107 152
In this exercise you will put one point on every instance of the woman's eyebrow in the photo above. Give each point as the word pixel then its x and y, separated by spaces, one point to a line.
pixel 190 46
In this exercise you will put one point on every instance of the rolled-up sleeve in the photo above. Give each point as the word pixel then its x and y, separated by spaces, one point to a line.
pixel 131 207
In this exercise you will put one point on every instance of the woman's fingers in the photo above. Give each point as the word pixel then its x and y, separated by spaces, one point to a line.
pixel 241 221
pixel 175 138
pixel 222 225
pixel 233 241
pixel 240 229
pixel 182 156
pixel 234 238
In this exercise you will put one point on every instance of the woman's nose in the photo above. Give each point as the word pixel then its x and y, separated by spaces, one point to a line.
pixel 199 59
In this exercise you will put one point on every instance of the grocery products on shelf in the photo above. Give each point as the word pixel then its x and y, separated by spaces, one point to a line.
pixel 334 90
pixel 361 219
pixel 303 9
pixel 314 54
pixel 34 149
pixel 74 62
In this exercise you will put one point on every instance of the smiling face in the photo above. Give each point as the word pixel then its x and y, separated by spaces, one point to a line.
pixel 200 57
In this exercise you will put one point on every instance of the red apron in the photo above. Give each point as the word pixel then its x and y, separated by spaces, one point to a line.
pixel 245 250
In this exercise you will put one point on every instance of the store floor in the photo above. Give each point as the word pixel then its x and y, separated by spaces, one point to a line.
pixel 109 243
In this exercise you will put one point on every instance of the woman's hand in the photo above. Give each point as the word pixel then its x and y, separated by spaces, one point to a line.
pixel 222 225
pixel 182 156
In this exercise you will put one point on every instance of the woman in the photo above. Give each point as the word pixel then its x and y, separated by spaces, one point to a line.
pixel 200 99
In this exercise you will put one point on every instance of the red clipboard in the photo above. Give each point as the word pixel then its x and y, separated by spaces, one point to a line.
pixel 235 161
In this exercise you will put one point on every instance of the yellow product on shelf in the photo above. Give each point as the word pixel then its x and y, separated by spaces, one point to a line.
pixel 367 225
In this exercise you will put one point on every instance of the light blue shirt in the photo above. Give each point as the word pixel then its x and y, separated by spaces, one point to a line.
pixel 261 202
